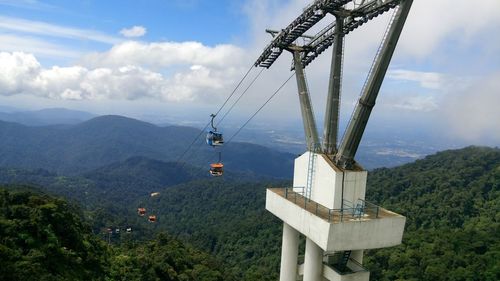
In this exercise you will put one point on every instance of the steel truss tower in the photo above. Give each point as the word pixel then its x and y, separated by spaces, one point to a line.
pixel 326 203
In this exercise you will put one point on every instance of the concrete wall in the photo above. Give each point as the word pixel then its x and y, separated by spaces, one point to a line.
pixel 355 185
pixel 332 275
pixel 366 234
pixel 329 182
pixel 300 171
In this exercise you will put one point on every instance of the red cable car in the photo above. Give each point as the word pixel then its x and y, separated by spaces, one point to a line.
pixel 216 169
pixel 141 211
pixel 152 218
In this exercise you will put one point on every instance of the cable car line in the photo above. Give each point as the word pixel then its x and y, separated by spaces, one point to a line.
pixel 234 91
pixel 242 94
pixel 216 169
pixel 191 144
pixel 258 110
pixel 232 106
pixel 219 164
pixel 218 111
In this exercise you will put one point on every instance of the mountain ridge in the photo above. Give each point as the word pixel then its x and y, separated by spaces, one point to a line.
pixel 74 149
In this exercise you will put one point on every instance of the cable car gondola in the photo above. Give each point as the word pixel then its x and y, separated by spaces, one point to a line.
pixel 141 211
pixel 214 138
pixel 216 169
pixel 152 218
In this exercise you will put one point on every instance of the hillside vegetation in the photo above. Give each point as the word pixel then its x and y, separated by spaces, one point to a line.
pixel 227 219
pixel 45 237
pixel 452 204
pixel 451 201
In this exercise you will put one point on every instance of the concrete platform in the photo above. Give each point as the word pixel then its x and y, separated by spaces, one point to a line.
pixel 332 230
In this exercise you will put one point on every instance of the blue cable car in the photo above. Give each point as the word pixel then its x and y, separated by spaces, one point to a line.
pixel 214 138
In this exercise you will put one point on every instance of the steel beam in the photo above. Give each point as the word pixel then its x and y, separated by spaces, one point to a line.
pixel 314 13
pixel 309 17
pixel 310 129
pixel 357 125
pixel 331 125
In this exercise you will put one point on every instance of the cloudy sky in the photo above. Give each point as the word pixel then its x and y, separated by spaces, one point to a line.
pixel 182 58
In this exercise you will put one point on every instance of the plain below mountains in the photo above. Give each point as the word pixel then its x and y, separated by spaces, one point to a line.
pixel 75 149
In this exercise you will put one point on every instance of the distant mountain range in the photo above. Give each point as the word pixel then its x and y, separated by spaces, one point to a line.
pixel 43 117
pixel 103 140
pixel 376 150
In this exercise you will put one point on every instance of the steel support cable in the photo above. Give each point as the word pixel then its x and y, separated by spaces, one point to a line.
pixel 218 111
pixel 260 108
pixel 236 88
pixel 239 98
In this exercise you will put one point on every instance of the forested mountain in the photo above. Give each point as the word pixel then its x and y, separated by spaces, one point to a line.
pixel 44 238
pixel 451 201
pixel 227 219
pixel 101 141
pixel 452 204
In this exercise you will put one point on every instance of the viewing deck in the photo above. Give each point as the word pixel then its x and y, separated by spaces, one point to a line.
pixel 358 226
pixel 361 212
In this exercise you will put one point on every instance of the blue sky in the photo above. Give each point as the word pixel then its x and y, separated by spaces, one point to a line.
pixel 209 22
pixel 182 58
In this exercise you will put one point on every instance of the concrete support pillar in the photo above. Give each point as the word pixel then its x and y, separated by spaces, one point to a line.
pixel 313 263
pixel 289 253
pixel 357 256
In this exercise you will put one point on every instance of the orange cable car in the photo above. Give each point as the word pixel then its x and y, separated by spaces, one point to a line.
pixel 216 169
pixel 141 211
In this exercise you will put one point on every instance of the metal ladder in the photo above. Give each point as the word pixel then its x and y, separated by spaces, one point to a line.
pixel 310 174
pixel 343 261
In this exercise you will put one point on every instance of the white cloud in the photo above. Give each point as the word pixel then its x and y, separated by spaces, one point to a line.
pixel 47 29
pixel 16 70
pixel 21 73
pixel 473 113
pixel 134 31
pixel 164 54
pixel 28 4
pixel 429 80
pixel 431 23
pixel 418 103
pixel 15 43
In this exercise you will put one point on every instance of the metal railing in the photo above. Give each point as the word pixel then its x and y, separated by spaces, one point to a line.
pixel 349 211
